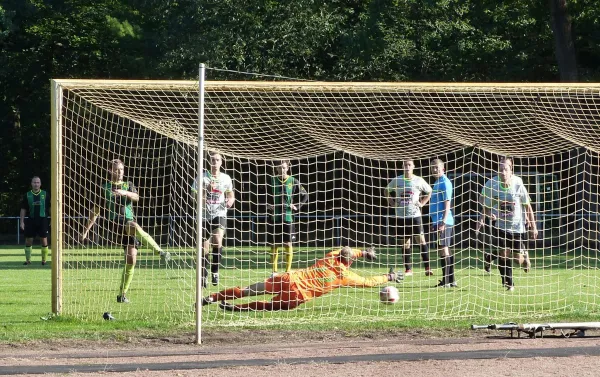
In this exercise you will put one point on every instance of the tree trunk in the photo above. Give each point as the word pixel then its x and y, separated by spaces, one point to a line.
pixel 563 39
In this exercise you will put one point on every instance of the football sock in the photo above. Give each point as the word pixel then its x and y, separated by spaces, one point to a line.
pixel 44 253
pixel 509 272
pixel 205 264
pixel 148 240
pixel 216 259
pixel 289 256
pixel 27 253
pixel 425 256
pixel 126 277
pixel 502 269
pixel 274 256
pixel 407 262
pixel 450 268
pixel 445 278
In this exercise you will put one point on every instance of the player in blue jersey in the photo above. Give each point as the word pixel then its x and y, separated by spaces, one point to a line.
pixel 442 221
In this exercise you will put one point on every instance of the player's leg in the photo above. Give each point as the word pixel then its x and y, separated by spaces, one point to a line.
pixel 437 239
pixel 28 244
pixel 275 305
pixel 255 289
pixel 520 254
pixel 406 248
pixel 45 250
pixel 217 235
pixel 445 240
pixel 289 234
pixel 128 241
pixel 286 299
pixel 147 240
pixel 424 248
pixel 127 275
pixel 29 235
pixel 44 239
pixel 207 230
pixel 276 232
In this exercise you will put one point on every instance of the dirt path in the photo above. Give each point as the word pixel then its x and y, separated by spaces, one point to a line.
pixel 304 354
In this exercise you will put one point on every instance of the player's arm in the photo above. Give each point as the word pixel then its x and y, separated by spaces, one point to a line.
pixel 301 194
pixel 23 211
pixel 529 213
pixel 427 190
pixel 91 222
pixel 486 211
pixel 446 198
pixel 22 215
pixel 131 193
pixel 388 194
pixel 229 195
pixel 530 218
pixel 269 197
pixel 352 279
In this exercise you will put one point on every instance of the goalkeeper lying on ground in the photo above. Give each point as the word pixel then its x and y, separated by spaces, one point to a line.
pixel 300 286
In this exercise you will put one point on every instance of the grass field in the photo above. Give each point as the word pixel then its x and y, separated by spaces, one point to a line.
pixel 561 286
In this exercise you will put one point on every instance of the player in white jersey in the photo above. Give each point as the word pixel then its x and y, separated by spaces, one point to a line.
pixel 505 200
pixel 408 193
pixel 218 197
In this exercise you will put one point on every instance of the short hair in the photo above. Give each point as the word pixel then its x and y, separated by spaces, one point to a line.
pixel 507 159
pixel 437 161
pixel 346 255
pixel 277 163
pixel 407 160
pixel 35 176
pixel 116 161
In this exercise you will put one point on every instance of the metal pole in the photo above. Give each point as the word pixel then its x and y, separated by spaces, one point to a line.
pixel 199 201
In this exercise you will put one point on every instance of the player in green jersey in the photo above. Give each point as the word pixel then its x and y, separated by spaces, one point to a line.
pixel 117 200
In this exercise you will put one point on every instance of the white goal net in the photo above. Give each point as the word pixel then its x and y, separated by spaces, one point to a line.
pixel 345 143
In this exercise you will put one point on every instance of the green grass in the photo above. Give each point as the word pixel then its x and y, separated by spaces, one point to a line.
pixel 562 286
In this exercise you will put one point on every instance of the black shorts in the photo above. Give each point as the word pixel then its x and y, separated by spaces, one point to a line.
pixel 211 225
pixel 506 240
pixel 407 227
pixel 36 227
pixel 281 232
pixel 117 232
pixel 442 239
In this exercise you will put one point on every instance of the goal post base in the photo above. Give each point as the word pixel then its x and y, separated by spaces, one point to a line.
pixel 578 329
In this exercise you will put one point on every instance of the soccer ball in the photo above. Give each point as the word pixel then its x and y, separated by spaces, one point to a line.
pixel 389 295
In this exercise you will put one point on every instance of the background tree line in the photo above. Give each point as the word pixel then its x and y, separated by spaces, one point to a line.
pixel 335 40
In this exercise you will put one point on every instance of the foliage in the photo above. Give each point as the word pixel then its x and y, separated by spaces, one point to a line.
pixel 379 40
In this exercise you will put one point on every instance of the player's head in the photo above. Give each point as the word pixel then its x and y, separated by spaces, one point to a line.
pixel 282 167
pixel 216 160
pixel 346 256
pixel 36 183
pixel 437 168
pixel 408 166
pixel 505 168
pixel 117 170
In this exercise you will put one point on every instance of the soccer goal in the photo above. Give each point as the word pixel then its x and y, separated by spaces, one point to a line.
pixel 345 142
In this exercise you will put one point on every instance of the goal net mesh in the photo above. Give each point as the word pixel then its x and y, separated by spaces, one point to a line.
pixel 345 143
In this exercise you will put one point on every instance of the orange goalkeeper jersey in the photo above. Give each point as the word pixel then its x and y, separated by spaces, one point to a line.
pixel 328 274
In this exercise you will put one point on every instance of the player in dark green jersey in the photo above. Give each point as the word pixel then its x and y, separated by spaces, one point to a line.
pixel 118 197
pixel 35 208
pixel 285 197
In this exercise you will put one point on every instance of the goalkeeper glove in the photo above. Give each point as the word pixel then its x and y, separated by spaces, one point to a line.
pixel 369 254
pixel 395 276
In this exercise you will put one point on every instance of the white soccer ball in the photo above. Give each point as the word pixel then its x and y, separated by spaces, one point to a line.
pixel 389 295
